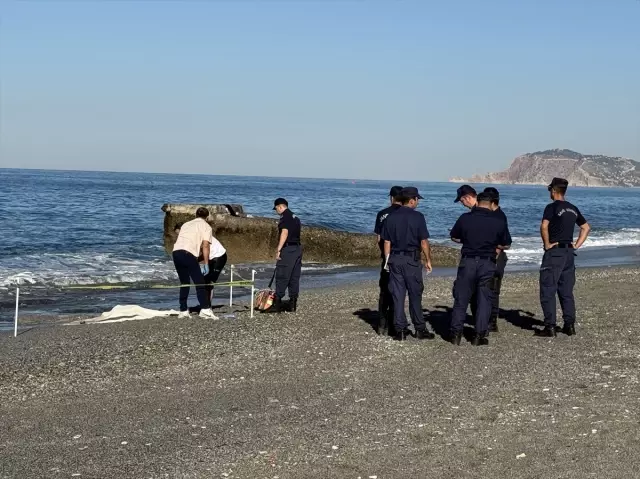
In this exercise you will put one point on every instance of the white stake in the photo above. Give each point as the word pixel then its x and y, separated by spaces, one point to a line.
pixel 15 325
pixel 253 288
pixel 231 289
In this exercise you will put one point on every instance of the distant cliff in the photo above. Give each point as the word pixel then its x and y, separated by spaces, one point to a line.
pixel 580 170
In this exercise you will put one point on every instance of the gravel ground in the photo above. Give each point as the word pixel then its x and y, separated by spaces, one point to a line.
pixel 319 394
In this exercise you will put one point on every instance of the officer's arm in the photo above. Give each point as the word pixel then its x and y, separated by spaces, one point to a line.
pixel 387 248
pixel 426 251
pixel 584 232
pixel 283 239
pixel 544 234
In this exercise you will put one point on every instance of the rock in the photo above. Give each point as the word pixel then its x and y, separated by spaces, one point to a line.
pixel 580 170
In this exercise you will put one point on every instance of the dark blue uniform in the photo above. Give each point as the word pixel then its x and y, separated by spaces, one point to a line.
pixel 385 299
pixel 480 231
pixel 405 229
pixel 558 270
pixel 289 266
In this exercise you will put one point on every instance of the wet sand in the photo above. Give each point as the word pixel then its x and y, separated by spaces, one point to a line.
pixel 319 394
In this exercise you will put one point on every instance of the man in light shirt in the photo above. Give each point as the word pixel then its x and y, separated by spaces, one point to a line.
pixel 194 239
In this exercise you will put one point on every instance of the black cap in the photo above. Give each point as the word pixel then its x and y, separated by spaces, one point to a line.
pixel 280 201
pixel 463 191
pixel 485 196
pixel 395 191
pixel 410 192
pixel 561 182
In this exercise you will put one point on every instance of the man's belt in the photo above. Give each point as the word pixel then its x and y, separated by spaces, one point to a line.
pixel 405 253
pixel 292 243
pixel 473 256
pixel 565 245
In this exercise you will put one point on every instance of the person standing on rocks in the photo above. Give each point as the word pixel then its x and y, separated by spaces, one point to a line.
pixel 194 238
pixel 481 232
pixel 406 239
pixel 288 258
pixel 385 299
pixel 558 270
pixel 501 261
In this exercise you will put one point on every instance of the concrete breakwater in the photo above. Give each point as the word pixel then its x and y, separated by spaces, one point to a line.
pixel 254 239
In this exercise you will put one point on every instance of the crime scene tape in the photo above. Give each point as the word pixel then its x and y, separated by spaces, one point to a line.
pixel 157 286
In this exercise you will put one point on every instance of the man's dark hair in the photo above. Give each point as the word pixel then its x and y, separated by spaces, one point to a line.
pixel 202 213
pixel 404 200
pixel 495 196
pixel 484 197
pixel 560 189
pixel 177 226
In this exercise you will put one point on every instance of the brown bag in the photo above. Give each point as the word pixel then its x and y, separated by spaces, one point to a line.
pixel 265 297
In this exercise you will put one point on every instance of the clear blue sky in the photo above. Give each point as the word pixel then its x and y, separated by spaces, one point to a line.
pixel 350 89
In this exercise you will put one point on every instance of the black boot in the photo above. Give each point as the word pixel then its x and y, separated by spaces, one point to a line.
pixel 424 334
pixel 547 332
pixel 479 340
pixel 401 335
pixel 493 325
pixel 569 329
pixel 293 304
pixel 455 338
pixel 277 306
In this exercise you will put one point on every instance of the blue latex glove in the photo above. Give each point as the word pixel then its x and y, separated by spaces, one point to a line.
pixel 205 269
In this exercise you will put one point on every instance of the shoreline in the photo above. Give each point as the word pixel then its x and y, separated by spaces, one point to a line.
pixel 319 394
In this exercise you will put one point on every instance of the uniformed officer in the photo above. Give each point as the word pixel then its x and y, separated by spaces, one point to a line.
pixel 558 271
pixel 501 261
pixel 385 300
pixel 406 239
pixel 288 256
pixel 481 232
pixel 467 195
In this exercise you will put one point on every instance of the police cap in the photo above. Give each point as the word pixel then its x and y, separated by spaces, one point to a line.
pixel 463 191
pixel 395 191
pixel 560 182
pixel 280 201
pixel 410 192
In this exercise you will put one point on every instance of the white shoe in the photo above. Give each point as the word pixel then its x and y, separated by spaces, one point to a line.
pixel 208 314
pixel 183 314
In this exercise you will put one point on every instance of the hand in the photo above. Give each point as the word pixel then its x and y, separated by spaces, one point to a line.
pixel 429 267
pixel 205 269
pixel 575 245
pixel 278 258
pixel 548 246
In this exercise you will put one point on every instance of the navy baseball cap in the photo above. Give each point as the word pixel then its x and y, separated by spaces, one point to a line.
pixel 463 191
pixel 495 194
pixel 561 182
pixel 395 191
pixel 410 192
pixel 280 201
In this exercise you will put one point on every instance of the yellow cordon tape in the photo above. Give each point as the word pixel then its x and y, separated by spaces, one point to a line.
pixel 157 286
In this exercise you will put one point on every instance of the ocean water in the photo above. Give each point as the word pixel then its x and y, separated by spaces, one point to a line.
pixel 62 228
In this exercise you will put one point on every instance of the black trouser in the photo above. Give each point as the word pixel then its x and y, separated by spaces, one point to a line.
pixel 385 299
pixel 558 276
pixel 288 271
pixel 188 269
pixel 475 274
pixel 406 277
pixel 496 286
pixel 215 268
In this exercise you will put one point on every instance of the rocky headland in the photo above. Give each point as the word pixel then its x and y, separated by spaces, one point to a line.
pixel 580 170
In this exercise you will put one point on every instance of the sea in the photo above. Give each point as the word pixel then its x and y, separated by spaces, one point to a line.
pixel 69 228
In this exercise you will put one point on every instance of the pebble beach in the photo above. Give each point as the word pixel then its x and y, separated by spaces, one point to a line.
pixel 320 394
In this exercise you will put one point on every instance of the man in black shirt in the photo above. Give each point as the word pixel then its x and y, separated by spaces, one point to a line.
pixel 501 261
pixel 288 256
pixel 481 232
pixel 406 239
pixel 558 271
pixel 385 300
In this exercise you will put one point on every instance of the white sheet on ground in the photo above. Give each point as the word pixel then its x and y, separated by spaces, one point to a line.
pixel 129 312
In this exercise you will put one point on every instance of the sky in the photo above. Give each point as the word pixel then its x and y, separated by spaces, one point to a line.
pixel 389 89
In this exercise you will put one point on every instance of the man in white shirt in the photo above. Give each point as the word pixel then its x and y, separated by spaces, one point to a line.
pixel 217 260
pixel 194 238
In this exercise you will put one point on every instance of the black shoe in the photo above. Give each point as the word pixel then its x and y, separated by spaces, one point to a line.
pixel 569 329
pixel 547 332
pixel 293 304
pixel 277 306
pixel 425 334
pixel 493 325
pixel 401 335
pixel 479 341
pixel 455 338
